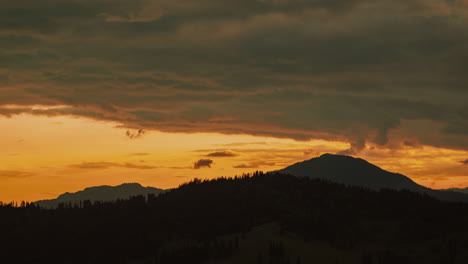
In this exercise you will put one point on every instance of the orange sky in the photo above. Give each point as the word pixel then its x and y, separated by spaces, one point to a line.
pixel 43 157
pixel 263 80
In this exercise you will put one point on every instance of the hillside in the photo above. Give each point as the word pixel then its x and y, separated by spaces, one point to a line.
pixel 261 218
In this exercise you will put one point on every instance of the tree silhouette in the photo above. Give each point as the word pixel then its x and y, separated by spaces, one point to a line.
pixel 207 220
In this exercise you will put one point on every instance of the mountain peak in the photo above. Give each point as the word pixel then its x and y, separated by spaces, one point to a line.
pixel 351 171
pixel 338 157
pixel 342 163
pixel 132 184
pixel 329 155
pixel 124 185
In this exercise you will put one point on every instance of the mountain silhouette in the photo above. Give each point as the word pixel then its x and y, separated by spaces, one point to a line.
pixel 358 172
pixel 254 218
pixel 465 191
pixel 101 193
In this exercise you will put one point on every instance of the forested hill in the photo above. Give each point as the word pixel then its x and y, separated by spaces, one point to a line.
pixel 262 218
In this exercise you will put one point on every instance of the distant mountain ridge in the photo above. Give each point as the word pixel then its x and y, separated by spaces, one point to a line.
pixel 101 193
pixel 358 172
pixel 465 191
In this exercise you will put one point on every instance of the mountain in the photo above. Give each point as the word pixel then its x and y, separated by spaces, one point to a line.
pixel 465 191
pixel 351 171
pixel 101 193
pixel 358 172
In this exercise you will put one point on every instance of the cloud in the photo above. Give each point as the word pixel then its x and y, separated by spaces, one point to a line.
pixel 254 165
pixel 139 154
pixel 202 163
pixel 464 162
pixel 180 168
pixel 355 148
pixel 348 71
pixel 15 174
pixel 132 135
pixel 240 144
pixel 94 165
pixel 347 152
pixel 141 167
pixel 106 165
pixel 222 154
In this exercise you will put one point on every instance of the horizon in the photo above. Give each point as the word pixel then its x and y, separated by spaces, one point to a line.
pixel 162 91
pixel 191 179
pixel 36 169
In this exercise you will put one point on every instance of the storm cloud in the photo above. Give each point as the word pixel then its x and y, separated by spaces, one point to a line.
pixel 379 72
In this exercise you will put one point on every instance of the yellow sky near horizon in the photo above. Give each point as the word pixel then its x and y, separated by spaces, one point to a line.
pixel 43 157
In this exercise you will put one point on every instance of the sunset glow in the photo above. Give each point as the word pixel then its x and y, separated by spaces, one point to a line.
pixel 46 156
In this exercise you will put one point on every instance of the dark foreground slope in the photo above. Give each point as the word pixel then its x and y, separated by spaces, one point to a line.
pixel 358 172
pixel 270 218
pixel 100 193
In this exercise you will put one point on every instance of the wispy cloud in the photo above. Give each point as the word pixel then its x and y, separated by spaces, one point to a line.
pixel 222 154
pixel 139 154
pixel 141 167
pixel 254 165
pixel 106 165
pixel 15 174
pixel 240 144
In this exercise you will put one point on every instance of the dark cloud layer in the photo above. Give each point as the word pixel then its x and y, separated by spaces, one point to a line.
pixel 353 70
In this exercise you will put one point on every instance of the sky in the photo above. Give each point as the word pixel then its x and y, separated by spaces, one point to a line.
pixel 162 91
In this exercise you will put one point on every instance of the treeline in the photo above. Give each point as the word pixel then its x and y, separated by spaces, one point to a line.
pixel 14 204
pixel 190 224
